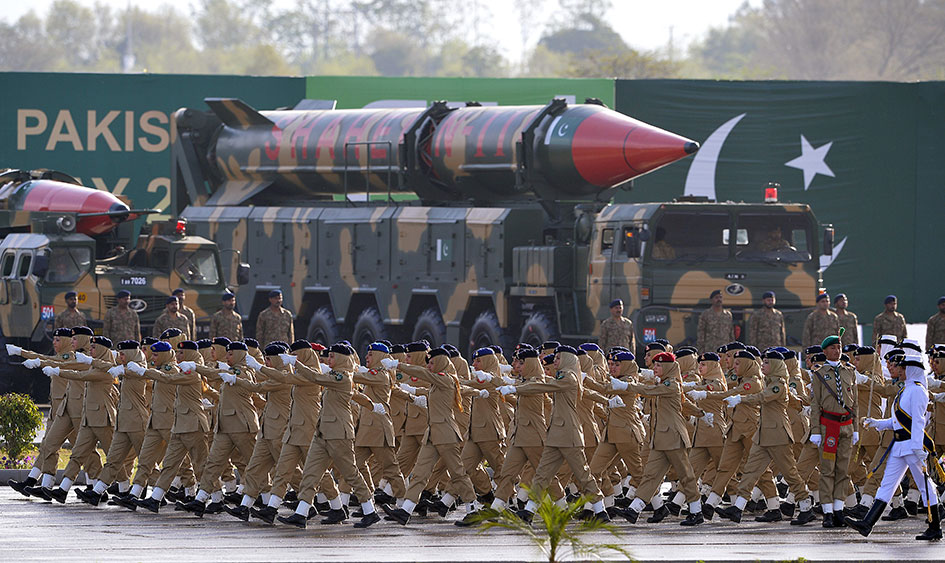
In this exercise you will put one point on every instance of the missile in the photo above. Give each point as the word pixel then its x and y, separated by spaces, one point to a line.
pixel 480 153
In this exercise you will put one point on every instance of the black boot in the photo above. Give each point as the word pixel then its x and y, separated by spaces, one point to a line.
pixel 58 494
pixel 693 519
pixel 151 504
pixel 233 498
pixel 20 486
pixel 658 515
pixel 39 492
pixel 673 508
pixel 195 506
pixel 769 516
pixel 335 516
pixel 838 519
pixel 367 520
pixel 934 533
pixel 398 515
pixel 630 514
pixel 897 513
pixel 829 521
pixel 787 509
pixel 858 512
pixel 296 520
pixel 912 507
pixel 471 519
pixel 708 511
pixel 865 526
pixel 267 514
pixel 241 512
pixel 732 513
pixel 214 508
pixel 89 497
pixel 804 517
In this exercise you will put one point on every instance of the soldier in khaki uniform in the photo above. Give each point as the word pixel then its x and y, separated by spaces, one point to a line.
pixel 183 309
pixel 935 327
pixel 274 322
pixel 848 320
pixel 121 321
pixel 870 387
pixel 889 321
pixel 820 323
pixel 772 444
pixel 415 423
pixel 172 318
pixel 71 316
pixel 227 322
pixel 617 330
pixel 834 428
pixel 333 442
pixel 708 439
pixel 766 327
pixel 715 325
pixel 485 440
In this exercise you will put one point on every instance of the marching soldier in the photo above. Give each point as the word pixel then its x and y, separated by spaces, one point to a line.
pixel 274 322
pixel 820 323
pixel 709 439
pixel 889 321
pixel 848 320
pixel 617 330
pixel 172 318
pixel 715 325
pixel 71 316
pixel 181 295
pixel 121 321
pixel 935 328
pixel 227 322
pixel 766 327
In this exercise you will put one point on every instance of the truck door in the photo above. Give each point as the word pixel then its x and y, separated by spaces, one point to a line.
pixel 624 267
pixel 16 266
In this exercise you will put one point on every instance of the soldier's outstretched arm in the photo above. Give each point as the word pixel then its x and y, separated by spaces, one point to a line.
pixel 86 375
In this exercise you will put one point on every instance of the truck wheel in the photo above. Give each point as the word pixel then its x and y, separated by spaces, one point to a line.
pixel 430 327
pixel 367 329
pixel 322 328
pixel 485 331
pixel 537 329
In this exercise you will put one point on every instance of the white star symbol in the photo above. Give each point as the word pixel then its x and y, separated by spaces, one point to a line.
pixel 811 161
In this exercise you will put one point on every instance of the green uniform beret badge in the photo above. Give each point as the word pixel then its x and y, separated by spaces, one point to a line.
pixel 339 377
pixel 776 389
pixel 667 383
pixel 236 371
pixel 559 376
pixel 65 356
pixel 400 376
pixel 733 377
pixel 168 367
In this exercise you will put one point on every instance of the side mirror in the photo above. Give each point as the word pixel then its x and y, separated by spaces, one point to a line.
pixel 828 241
pixel 40 265
pixel 242 273
pixel 632 241
pixel 644 235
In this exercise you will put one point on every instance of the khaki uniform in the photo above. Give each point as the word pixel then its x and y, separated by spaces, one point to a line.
pixel 888 323
pixel 132 418
pixel 415 425
pixel 848 322
pixel 228 324
pixel 526 440
pixel 617 332
pixel 234 435
pixel 744 424
pixel 98 417
pixel 70 318
pixel 819 325
pixel 621 440
pixel 715 329
pixel 191 317
pixel 157 434
pixel 486 436
pixel 374 436
pixel 165 321
pixel 303 415
pixel 869 404
pixel 833 469
pixel 272 428
pixel 121 324
pixel 935 331
pixel 708 441
pixel 274 325
pixel 766 329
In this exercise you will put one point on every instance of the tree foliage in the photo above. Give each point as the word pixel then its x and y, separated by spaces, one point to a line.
pixel 19 420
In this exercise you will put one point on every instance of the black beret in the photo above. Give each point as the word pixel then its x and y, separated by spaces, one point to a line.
pixel 580 352
pixel 844 358
pixel 715 292
pixel 548 359
pixel 275 348
pixel 275 293
pixel 398 349
pixel 616 302
pixel 453 350
pixel 815 349
pixel 496 348
pixel 773 355
pixel 439 352
pixel 102 341
pixel 251 342
pixel 527 353
pixel 221 341
pixel 565 348
pixel 820 357
pixel 418 346
pixel 709 357
pixel 300 345
pixel 655 346
pixel 682 353
pixel 171 333
pixel 619 349
pixel 734 346
pixel 63 332
pixel 82 331
pixel 388 343
pixel 789 355
pixel 550 345
pixel 894 352
pixel 753 351
pixel 177 291
pixel 171 299
pixel 340 348
pixel 123 293
pixel 767 294
pixel 71 294
pixel 149 340
pixel 850 348
pixel 239 346
pixel 693 348
pixel 204 343
pixel 662 341
pixel 821 296
pixel 186 345
pixel 227 297
pixel 128 345
pixel 744 354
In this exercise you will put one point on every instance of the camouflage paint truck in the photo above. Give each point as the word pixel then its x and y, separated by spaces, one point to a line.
pixel 475 225
pixel 59 236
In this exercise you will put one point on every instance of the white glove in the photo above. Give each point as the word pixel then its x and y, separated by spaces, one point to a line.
pixel 133 367
pixel 114 355
pixel 288 359
pixel 14 350
pixel 390 363
pixel 253 362
pixel 871 422
pixel 933 383
pixel 508 380
pixel 816 439
pixel 647 373
pixel 583 376
pixel 806 410
pixel 228 378
pixel 187 367
pixel 506 389
pixel 83 358
pixel 937 397
pixel 505 368
pixel 733 400
pixel 861 379
pixel 379 408
pixel 689 384
pixel 481 376
pixel 205 403
pixel 708 418
pixel 618 385
pixel 408 388
pixel 483 394
pixel 223 365
pixel 420 401
pixel 615 402
pixel 50 371
pixel 362 369
pixel 856 437
pixel 32 363
pixel 116 371
pixel 324 367
pixel 696 395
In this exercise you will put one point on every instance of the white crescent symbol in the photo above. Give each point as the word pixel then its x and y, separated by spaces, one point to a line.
pixel 563 130
pixel 701 178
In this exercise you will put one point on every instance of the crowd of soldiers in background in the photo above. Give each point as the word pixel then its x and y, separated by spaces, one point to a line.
pixel 719 430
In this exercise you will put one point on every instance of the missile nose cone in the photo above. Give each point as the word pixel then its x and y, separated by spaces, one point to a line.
pixel 119 207
pixel 691 147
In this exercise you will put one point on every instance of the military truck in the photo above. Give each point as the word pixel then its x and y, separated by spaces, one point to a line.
pixel 59 236
pixel 510 236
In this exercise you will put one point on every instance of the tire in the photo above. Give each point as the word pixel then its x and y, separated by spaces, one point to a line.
pixel 322 328
pixel 539 328
pixel 430 327
pixel 485 331
pixel 367 329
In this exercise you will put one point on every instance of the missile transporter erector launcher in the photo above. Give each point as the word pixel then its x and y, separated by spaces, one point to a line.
pixel 472 224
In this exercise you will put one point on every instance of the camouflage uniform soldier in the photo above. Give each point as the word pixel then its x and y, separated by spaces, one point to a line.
pixel 227 322
pixel 121 321
pixel 274 322
pixel 935 329
pixel 766 327
pixel 715 325
pixel 181 295
pixel 820 323
pixel 71 316
pixel 617 330
pixel 889 321
pixel 171 318
pixel 848 320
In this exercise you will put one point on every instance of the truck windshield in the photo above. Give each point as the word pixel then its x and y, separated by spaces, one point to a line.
pixel 782 237
pixel 690 237
pixel 197 267
pixel 68 264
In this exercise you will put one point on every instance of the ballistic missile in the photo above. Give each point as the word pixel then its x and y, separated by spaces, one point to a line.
pixel 479 153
